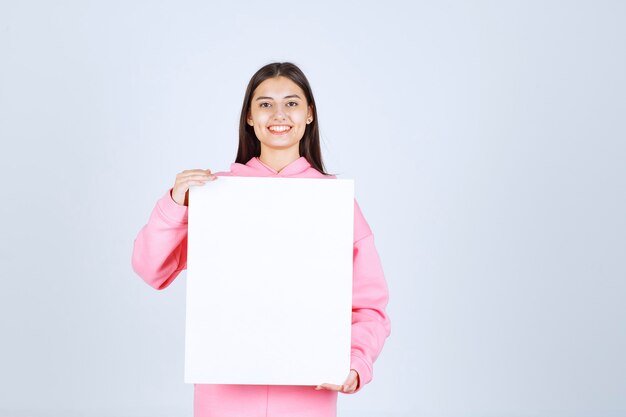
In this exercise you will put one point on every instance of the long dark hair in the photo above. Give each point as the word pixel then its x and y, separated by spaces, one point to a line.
pixel 249 145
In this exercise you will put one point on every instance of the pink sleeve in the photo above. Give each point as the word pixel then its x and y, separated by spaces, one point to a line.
pixel 370 323
pixel 160 249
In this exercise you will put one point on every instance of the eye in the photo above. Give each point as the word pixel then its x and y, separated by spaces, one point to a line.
pixel 265 104
pixel 292 104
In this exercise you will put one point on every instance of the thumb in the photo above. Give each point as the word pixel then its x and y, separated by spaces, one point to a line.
pixel 351 378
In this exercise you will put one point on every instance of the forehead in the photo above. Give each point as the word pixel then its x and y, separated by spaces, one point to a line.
pixel 278 87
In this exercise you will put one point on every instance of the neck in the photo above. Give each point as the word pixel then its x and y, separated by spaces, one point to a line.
pixel 279 159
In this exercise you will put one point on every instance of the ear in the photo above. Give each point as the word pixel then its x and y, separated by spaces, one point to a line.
pixel 309 113
pixel 249 119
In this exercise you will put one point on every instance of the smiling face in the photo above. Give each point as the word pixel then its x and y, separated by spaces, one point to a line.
pixel 279 114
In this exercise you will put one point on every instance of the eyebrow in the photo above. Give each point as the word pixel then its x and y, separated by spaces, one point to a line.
pixel 271 98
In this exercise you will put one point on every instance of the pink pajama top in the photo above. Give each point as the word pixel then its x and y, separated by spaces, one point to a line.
pixel 160 253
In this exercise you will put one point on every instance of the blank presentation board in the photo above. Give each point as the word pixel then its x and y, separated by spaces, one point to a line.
pixel 269 281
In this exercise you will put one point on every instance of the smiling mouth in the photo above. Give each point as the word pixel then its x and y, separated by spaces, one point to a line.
pixel 279 129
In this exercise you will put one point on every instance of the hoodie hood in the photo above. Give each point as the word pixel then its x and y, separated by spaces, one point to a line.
pixel 300 168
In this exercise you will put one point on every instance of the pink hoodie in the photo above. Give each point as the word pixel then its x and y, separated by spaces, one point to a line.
pixel 160 253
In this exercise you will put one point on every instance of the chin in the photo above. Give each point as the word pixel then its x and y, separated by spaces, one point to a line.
pixel 280 144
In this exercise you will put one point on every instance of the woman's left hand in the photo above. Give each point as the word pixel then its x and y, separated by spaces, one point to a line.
pixel 349 386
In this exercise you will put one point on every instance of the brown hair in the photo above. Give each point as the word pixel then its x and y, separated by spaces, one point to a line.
pixel 249 145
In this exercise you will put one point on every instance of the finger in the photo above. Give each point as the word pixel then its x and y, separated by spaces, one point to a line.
pixel 194 174
pixel 330 387
pixel 208 175
pixel 187 171
pixel 196 183
pixel 212 176
pixel 351 382
pixel 349 388
pixel 184 180
pixel 350 379
pixel 203 178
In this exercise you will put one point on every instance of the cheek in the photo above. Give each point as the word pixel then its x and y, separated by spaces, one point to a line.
pixel 259 129
pixel 299 117
pixel 259 120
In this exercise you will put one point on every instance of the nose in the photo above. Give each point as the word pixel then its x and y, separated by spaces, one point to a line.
pixel 279 114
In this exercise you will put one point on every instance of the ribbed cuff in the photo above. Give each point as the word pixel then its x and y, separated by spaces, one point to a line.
pixel 172 211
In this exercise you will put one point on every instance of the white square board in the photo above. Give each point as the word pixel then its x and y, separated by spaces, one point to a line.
pixel 269 281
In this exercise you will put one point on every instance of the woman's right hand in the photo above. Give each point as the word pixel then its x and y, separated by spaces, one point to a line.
pixel 185 179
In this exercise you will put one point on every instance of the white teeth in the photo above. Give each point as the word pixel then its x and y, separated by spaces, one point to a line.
pixel 279 128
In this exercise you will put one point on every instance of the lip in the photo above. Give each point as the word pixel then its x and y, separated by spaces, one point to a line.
pixel 280 133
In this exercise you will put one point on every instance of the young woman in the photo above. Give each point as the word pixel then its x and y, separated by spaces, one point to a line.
pixel 278 137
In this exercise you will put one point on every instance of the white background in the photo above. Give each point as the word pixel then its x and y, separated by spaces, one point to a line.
pixel 487 141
